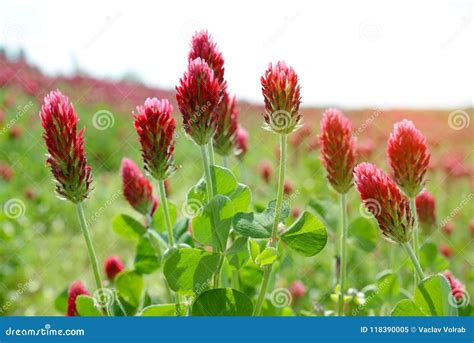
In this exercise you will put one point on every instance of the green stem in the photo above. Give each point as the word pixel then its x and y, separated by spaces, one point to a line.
pixel 274 239
pixel 212 161
pixel 414 260
pixel 90 247
pixel 166 212
pixel 343 251
pixel 225 162
pixel 416 247
pixel 207 172
pixel 235 279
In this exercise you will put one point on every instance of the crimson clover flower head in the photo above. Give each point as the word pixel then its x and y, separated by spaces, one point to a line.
pixel 224 139
pixel 381 196
pixel 241 142
pixel 66 155
pixel 137 188
pixel 76 289
pixel 408 157
pixel 457 288
pixel 425 208
pixel 113 265
pixel 198 96
pixel 203 46
pixel 155 128
pixel 338 151
pixel 281 93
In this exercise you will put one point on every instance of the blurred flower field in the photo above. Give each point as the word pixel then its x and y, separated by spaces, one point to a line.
pixel 43 252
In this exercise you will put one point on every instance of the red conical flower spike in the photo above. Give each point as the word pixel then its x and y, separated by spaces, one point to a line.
pixel 281 93
pixel 384 200
pixel 226 133
pixel 425 208
pixel 337 149
pixel 75 289
pixel 198 95
pixel 203 46
pixel 113 266
pixel 66 157
pixel 155 128
pixel 408 157
pixel 241 142
pixel 457 288
pixel 136 188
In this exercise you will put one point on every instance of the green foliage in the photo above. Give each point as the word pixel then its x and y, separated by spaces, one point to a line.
pixel 222 302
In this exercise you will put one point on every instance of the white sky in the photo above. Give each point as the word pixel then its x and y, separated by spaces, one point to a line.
pixel 347 53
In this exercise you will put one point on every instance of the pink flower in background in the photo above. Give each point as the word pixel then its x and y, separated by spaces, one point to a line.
pixel 137 188
pixel 203 46
pixel 426 208
pixel 448 228
pixel 155 128
pixel 227 126
pixel 66 157
pixel 297 289
pixel 75 289
pixel 408 157
pixel 288 187
pixel 266 171
pixel 384 200
pixel 281 93
pixel 241 142
pixel 457 288
pixel 365 149
pixel 337 149
pixel 295 212
pixel 198 95
pixel 445 250
pixel 113 265
pixel 6 172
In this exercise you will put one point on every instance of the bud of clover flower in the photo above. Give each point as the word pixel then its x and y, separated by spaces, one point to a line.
pixel 297 289
pixel 155 128
pixel 265 168
pixel 337 149
pixel 408 157
pixel 137 189
pixel 425 208
pixel 198 95
pixel 384 200
pixel 281 93
pixel 445 250
pixel 241 142
pixel 76 289
pixel 66 155
pixel 113 265
pixel 203 46
pixel 226 133
pixel 457 288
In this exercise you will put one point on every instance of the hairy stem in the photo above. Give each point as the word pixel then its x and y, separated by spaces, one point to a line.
pixel 416 247
pixel 90 248
pixel 274 239
pixel 166 212
pixel 207 172
pixel 343 251
pixel 414 260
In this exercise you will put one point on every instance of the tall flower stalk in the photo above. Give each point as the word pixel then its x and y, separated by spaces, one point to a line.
pixel 198 95
pixel 67 160
pixel 409 159
pixel 281 93
pixel 155 128
pixel 390 207
pixel 338 157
